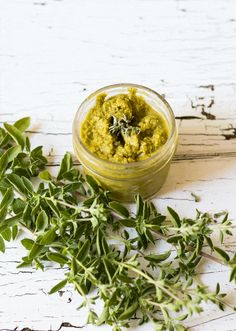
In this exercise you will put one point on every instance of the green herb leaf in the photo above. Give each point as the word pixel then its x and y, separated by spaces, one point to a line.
pixel 128 223
pixel 15 231
pixel 15 134
pixel 222 254
pixel 22 124
pixel 48 238
pixel 42 221
pixel 92 183
pixel 139 205
pixel 120 209
pixel 3 163
pixel 174 217
pixel 66 165
pixel 6 234
pixel 7 198
pixel 28 185
pixel 27 243
pixel 174 239
pixel 128 313
pixel 35 250
pixel 53 207
pixel 83 252
pixel 6 201
pixel 56 257
pixel 58 286
pixel 233 274
pixel 2 245
pixel 17 183
pixel 45 175
pixel 157 258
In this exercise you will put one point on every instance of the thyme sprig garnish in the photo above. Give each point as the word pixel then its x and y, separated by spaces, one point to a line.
pixel 71 221
pixel 124 126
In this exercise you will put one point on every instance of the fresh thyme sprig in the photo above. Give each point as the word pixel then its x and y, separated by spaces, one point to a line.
pixel 122 127
pixel 70 220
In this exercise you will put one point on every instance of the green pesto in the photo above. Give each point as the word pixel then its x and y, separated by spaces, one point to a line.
pixel 123 128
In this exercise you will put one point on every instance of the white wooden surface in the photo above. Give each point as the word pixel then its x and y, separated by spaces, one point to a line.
pixel 54 53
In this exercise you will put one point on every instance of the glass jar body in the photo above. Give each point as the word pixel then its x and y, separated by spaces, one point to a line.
pixel 145 177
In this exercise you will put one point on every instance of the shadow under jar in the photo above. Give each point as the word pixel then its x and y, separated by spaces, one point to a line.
pixel 124 180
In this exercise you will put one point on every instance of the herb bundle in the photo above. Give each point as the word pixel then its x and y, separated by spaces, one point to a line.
pixel 73 223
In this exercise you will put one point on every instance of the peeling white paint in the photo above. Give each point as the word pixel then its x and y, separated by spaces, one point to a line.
pixel 54 53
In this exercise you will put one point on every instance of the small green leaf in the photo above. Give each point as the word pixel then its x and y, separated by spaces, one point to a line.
pixel 6 201
pixel 233 274
pixel 53 206
pixel 28 184
pixel 99 242
pixel 45 175
pixel 210 243
pixel 49 237
pixel 35 250
pixel 128 223
pixel 56 257
pixel 74 267
pixel 222 254
pixel 119 208
pixel 174 239
pixel 12 152
pixel 10 221
pixel 58 286
pixel 17 183
pixel 65 166
pixel 92 183
pixel 174 217
pixel 15 231
pixel 27 243
pixel 92 317
pixel 225 219
pixel 7 198
pixel 221 237
pixel 3 163
pixel 103 317
pixel 110 270
pixel 18 205
pixel 42 221
pixel 158 220
pixel 83 251
pixel 157 258
pixel 105 246
pixel 128 313
pixel 27 144
pixel 217 288
pixel 15 134
pixel 6 234
pixel 2 245
pixel 182 318
pixel 139 205
pixel 22 124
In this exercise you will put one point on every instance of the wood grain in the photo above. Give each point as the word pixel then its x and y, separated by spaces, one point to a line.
pixel 54 53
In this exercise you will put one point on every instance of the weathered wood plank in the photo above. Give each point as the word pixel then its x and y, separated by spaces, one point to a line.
pixel 55 53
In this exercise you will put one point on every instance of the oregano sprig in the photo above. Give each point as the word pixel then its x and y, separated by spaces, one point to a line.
pixel 71 221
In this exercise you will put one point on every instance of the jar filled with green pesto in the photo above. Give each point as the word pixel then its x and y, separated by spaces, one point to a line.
pixel 125 136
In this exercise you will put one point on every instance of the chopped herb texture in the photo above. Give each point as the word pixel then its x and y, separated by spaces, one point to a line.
pixel 123 128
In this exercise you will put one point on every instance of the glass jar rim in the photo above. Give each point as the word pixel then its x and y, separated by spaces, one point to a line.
pixel 159 153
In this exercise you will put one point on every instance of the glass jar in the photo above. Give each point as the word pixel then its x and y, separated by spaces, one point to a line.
pixel 145 177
